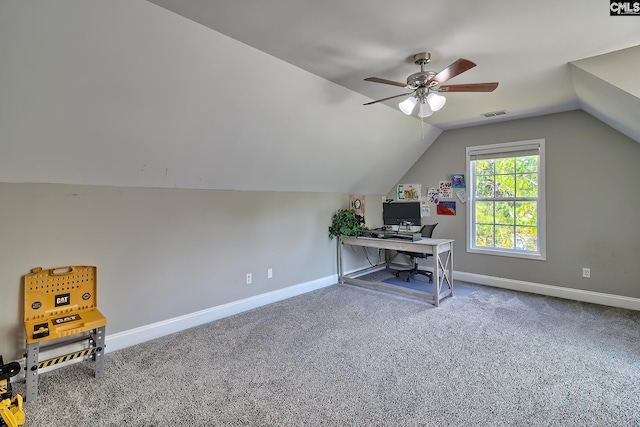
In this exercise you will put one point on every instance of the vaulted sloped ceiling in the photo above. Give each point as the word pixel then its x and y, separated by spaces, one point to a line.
pixel 608 88
pixel 125 93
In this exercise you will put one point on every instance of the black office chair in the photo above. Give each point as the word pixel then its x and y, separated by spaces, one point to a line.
pixel 425 231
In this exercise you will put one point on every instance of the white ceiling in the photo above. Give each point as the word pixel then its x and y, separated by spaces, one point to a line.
pixel 526 46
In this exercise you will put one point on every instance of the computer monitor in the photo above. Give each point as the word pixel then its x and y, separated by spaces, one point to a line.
pixel 398 213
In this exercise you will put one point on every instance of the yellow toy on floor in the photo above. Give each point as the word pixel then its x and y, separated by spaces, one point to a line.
pixel 60 307
pixel 11 414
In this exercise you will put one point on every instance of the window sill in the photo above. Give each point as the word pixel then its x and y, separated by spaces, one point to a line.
pixel 510 254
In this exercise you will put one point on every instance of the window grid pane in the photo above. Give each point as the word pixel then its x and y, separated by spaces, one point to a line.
pixel 505 237
pixel 485 236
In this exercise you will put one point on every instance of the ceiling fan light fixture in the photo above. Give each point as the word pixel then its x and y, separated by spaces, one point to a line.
pixel 408 105
pixel 425 86
pixel 425 110
pixel 436 101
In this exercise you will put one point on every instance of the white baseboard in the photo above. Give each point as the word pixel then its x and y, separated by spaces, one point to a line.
pixel 139 335
pixel 549 290
pixel 134 336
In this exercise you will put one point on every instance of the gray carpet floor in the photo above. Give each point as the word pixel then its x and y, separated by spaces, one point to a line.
pixel 345 355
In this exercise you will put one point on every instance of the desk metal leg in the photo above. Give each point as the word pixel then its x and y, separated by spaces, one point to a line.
pixel 437 281
pixel 443 273
pixel 451 268
pixel 340 266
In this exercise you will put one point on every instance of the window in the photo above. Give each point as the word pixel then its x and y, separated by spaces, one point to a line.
pixel 506 209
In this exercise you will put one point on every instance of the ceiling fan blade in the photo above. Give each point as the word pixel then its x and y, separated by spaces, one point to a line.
pixel 385 81
pixel 471 87
pixel 458 67
pixel 390 97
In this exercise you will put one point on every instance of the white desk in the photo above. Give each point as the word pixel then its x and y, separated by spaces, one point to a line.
pixel 442 255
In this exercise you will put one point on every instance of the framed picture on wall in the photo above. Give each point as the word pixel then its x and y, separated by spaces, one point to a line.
pixel 356 203
pixel 457 180
pixel 446 208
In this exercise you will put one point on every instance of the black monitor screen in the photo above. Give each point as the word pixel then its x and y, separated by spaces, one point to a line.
pixel 400 213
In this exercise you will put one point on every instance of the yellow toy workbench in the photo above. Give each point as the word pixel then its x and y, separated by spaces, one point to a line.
pixel 60 306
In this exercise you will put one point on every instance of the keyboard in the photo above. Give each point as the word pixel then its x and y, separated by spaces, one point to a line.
pixel 398 236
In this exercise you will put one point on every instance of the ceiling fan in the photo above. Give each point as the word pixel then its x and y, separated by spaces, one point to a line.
pixel 425 85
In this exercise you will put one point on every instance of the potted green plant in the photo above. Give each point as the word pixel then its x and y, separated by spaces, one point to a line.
pixel 345 222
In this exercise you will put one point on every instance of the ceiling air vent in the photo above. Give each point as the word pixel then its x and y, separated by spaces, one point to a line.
pixel 494 113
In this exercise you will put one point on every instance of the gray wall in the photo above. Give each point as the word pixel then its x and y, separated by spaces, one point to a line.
pixel 592 174
pixel 161 253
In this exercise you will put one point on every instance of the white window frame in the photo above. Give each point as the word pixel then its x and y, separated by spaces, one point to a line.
pixel 498 150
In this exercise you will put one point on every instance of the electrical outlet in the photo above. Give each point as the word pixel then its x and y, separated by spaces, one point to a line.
pixel 270 273
pixel 248 278
pixel 586 273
